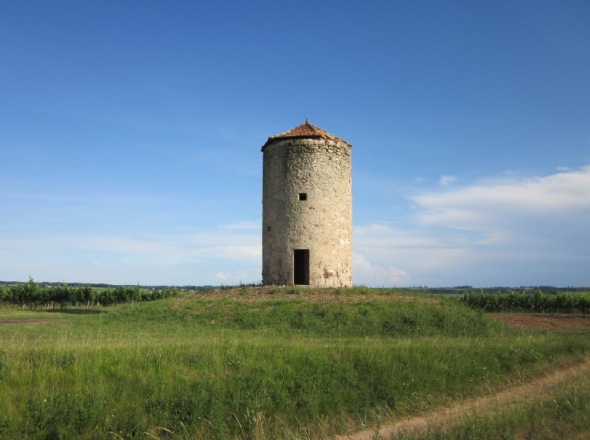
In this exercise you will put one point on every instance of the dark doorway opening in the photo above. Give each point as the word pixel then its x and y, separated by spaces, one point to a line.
pixel 301 266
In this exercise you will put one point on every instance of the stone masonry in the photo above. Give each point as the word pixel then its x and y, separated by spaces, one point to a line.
pixel 307 209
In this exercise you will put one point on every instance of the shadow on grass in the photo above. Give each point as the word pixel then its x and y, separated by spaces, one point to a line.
pixel 78 311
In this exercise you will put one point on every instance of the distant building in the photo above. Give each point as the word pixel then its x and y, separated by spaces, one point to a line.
pixel 307 209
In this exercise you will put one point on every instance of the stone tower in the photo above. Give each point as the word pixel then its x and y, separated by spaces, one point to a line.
pixel 307 209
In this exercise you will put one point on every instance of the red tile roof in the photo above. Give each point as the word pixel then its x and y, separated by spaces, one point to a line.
pixel 305 131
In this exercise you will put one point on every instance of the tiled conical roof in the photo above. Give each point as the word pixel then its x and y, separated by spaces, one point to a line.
pixel 305 131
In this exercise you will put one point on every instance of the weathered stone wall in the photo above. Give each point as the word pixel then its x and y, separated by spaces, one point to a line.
pixel 323 223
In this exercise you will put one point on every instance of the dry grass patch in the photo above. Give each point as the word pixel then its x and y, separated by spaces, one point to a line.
pixel 253 294
pixel 542 321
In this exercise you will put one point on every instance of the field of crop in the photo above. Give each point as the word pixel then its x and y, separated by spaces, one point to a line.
pixel 515 301
pixel 261 363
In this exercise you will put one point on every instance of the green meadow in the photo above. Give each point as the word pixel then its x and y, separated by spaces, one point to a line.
pixel 257 364
pixel 563 413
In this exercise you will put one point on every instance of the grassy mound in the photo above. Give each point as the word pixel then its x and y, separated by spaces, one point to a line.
pixel 323 314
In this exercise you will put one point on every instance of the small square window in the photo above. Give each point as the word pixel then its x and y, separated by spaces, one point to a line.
pixel 302 196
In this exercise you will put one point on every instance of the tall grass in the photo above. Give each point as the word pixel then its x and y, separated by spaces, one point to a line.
pixel 218 369
pixel 562 414
pixel 300 316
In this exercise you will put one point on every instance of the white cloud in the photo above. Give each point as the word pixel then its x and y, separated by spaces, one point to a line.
pixel 198 258
pixel 385 255
pixel 503 232
pixel 245 225
pixel 367 273
pixel 555 198
pixel 447 180
pixel 221 276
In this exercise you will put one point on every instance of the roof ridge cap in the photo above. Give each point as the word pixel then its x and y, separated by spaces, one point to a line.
pixel 305 130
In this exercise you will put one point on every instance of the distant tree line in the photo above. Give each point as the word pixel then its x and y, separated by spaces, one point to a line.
pixel 32 295
pixel 528 301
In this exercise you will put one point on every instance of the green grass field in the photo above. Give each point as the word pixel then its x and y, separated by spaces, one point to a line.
pixel 563 413
pixel 278 364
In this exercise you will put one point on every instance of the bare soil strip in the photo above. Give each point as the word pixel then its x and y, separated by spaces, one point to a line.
pixel 442 417
pixel 542 321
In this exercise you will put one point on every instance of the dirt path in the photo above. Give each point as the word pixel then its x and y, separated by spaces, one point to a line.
pixel 447 416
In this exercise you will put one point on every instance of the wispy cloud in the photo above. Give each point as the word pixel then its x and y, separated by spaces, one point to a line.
pixel 554 198
pixel 197 258
pixel 447 180
pixel 504 231
pixel 508 232
pixel 368 273
pixel 244 225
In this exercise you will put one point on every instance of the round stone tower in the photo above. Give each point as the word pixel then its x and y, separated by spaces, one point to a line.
pixel 307 209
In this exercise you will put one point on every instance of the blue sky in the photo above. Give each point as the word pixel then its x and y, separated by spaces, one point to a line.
pixel 130 136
